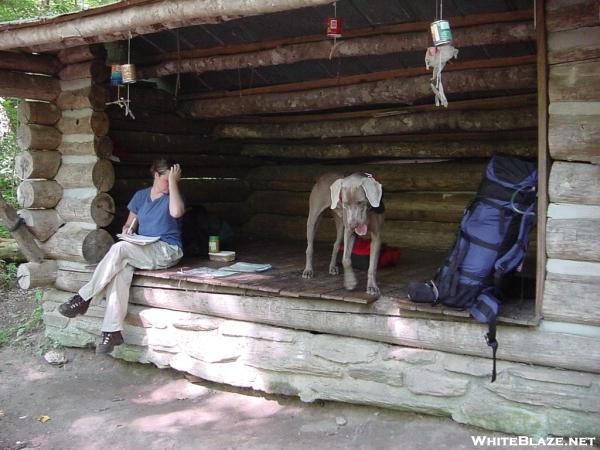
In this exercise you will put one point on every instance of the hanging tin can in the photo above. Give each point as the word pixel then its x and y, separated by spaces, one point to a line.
pixel 116 76
pixel 129 73
pixel 334 27
pixel 440 32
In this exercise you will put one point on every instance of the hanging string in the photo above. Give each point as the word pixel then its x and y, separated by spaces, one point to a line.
pixel 127 102
pixel 178 79
pixel 335 37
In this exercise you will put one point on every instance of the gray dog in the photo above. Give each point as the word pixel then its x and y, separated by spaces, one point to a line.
pixel 352 200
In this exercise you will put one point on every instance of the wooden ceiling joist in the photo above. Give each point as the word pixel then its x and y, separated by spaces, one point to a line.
pixel 457 23
pixel 479 103
pixel 117 23
pixel 362 78
pixel 22 62
pixel 391 91
pixel 497 34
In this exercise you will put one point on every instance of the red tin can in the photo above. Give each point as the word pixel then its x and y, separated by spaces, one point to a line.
pixel 334 27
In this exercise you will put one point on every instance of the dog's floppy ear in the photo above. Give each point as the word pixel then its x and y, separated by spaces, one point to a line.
pixel 373 191
pixel 335 188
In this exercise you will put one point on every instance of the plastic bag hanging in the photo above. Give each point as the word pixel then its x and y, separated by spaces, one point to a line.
pixel 436 57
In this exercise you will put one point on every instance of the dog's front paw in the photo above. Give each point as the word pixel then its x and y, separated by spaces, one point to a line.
pixel 349 281
pixel 334 270
pixel 308 273
pixel 372 289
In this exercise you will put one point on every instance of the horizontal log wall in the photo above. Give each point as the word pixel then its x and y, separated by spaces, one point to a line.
pixel 572 243
pixel 213 171
pixel 424 197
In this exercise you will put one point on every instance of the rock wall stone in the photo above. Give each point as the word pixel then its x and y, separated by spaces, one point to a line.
pixel 525 399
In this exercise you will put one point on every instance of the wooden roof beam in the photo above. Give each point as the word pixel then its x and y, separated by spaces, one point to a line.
pixel 361 78
pixel 497 34
pixel 112 24
pixel 395 89
pixel 457 22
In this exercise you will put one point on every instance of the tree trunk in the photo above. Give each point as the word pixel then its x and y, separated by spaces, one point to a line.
pixel 99 174
pixel 411 123
pixel 84 121
pixel 37 164
pixel 404 90
pixel 102 147
pixel 574 45
pixel 498 33
pixel 416 206
pixel 21 233
pixel 38 194
pixel 574 82
pixel 82 53
pixel 38 137
pixel 22 85
pixel 442 176
pixel 574 183
pixel 22 62
pixel 574 132
pixel 404 234
pixel 96 70
pixel 70 280
pixel 576 239
pixel 564 15
pixel 40 113
pixel 139 19
pixel 42 223
pixel 73 243
pixel 97 209
pixel 94 97
pixel 408 149
pixel 32 275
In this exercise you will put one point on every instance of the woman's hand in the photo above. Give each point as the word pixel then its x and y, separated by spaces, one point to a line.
pixel 174 174
pixel 130 224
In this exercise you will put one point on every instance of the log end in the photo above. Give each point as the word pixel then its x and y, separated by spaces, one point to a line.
pixel 96 244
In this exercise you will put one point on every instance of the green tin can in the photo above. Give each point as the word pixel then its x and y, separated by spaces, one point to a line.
pixel 440 32
pixel 213 244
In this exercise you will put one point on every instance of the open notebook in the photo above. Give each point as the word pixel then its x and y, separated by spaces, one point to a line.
pixel 247 267
pixel 138 238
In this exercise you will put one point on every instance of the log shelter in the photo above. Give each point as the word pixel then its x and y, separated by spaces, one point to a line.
pixel 256 102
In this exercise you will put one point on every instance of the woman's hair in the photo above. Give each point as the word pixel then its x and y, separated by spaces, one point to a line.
pixel 161 165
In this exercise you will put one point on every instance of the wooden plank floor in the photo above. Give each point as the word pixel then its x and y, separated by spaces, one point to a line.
pixel 285 280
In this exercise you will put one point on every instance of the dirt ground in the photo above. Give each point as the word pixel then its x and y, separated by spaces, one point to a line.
pixel 97 402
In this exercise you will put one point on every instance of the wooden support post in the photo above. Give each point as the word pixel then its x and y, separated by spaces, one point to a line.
pixel 97 209
pixel 38 137
pixel 31 275
pixel 38 194
pixel 40 113
pixel 83 121
pixel 20 233
pixel 99 174
pixel 37 164
pixel 73 243
pixel 94 97
pixel 21 85
pixel 42 223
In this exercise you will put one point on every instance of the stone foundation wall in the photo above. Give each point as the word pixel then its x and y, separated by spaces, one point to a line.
pixel 525 399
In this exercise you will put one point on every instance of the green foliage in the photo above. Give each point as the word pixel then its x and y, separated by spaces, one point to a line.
pixel 19 333
pixel 8 275
pixel 8 151
pixel 31 9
